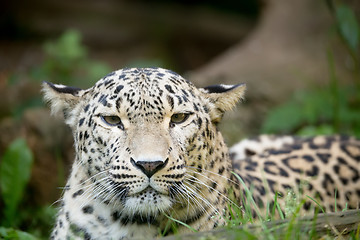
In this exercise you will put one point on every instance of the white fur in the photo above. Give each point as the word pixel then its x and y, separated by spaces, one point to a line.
pixel 259 146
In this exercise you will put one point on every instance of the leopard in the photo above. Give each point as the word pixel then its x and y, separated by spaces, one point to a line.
pixel 149 154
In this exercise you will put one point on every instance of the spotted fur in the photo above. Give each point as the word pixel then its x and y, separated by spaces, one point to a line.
pixel 148 147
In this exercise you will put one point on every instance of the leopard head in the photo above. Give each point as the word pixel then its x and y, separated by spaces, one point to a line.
pixel 147 139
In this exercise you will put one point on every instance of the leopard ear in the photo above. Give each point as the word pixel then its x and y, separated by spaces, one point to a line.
pixel 223 98
pixel 62 99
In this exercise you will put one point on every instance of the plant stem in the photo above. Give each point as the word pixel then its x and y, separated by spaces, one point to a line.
pixel 334 90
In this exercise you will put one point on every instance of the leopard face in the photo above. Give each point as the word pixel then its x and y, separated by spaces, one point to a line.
pixel 146 140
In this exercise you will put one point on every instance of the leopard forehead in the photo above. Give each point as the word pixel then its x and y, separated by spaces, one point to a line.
pixel 146 79
pixel 144 92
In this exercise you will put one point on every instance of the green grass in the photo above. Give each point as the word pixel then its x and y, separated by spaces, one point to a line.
pixel 259 223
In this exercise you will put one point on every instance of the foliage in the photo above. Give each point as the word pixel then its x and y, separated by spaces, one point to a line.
pixel 314 112
pixel 9 233
pixel 15 170
pixel 329 110
pixel 66 61
pixel 291 228
pixel 348 26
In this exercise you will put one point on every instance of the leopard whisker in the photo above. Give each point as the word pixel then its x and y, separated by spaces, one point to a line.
pixel 198 204
pixel 181 194
pixel 193 200
pixel 217 174
pixel 95 190
pixel 91 178
pixel 203 175
pixel 196 180
pixel 197 195
pixel 80 185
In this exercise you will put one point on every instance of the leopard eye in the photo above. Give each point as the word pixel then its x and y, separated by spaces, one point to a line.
pixel 112 120
pixel 178 118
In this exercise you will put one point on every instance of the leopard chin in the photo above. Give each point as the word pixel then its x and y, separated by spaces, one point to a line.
pixel 148 202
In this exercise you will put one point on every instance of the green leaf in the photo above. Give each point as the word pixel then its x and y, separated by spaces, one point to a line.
pixel 348 26
pixel 68 47
pixel 15 170
pixel 323 129
pixel 9 233
pixel 283 119
pixel 181 223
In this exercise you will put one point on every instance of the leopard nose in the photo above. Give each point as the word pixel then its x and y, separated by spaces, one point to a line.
pixel 149 168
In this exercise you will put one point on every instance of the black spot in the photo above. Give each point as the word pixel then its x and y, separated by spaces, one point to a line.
pixel 88 209
pixel 195 107
pixel 77 193
pixel 206 109
pixel 261 190
pixel 103 100
pixel 213 185
pixel 199 122
pixel 81 121
pixel 170 101
pixel 344 147
pixel 118 89
pixel 327 180
pixel 283 173
pixel 307 205
pixel 324 157
pixel 86 108
pixel 139 219
pixel 278 152
pixel 308 158
pixel 314 172
pixel 101 219
pixel 115 216
pixel 249 152
pixel 168 87
pixel 271 184
pixel 318 196
pixel 215 224
pixel 286 161
pixel 342 160
pixel 179 99
pixel 344 180
pixel 99 140
pixel 195 216
pixel 160 75
pixel 286 186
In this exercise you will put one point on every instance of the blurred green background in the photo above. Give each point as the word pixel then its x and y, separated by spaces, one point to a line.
pixel 299 59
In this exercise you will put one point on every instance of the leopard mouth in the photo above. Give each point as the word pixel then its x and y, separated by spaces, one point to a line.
pixel 148 202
